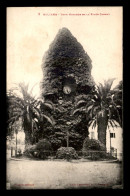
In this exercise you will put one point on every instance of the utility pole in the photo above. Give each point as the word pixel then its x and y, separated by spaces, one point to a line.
pixel 110 142
pixel 16 143
pixel 67 138
pixel 11 143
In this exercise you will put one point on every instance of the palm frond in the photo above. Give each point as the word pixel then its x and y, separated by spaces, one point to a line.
pixel 80 102
pixel 115 123
pixel 111 124
pixel 30 92
pixel 60 109
pixel 78 110
pixel 89 108
pixel 50 120
pixel 49 105
pixel 108 84
pixel 118 115
pixel 13 119
pixel 94 124
pixel 100 92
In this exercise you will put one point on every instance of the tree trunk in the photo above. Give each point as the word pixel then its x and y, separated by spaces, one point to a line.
pixel 16 146
pixel 28 136
pixel 67 138
pixel 28 139
pixel 102 127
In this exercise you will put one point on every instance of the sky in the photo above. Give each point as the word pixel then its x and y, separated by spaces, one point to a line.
pixel 30 31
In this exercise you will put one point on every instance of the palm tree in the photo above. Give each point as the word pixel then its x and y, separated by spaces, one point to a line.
pixel 101 109
pixel 44 116
pixel 118 99
pixel 23 105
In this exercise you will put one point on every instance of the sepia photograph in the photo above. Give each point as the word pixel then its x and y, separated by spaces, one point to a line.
pixel 64 98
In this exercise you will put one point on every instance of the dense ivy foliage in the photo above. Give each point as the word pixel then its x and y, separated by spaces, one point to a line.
pixel 66 63
pixel 66 153
pixel 65 57
pixel 40 150
pixel 94 150
pixel 92 144
pixel 60 117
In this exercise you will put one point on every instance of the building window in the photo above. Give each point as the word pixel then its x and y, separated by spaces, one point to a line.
pixel 112 135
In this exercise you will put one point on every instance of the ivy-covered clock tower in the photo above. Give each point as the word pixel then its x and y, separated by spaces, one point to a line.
pixel 66 77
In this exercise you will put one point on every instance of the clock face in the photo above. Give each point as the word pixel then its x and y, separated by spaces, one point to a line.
pixel 67 90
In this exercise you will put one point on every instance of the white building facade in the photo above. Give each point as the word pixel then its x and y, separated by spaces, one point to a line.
pixel 114 139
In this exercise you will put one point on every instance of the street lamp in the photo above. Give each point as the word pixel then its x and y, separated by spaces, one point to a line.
pixel 16 132
pixel 110 143
pixel 68 123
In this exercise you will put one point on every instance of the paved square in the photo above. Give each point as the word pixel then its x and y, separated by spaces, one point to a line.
pixel 30 174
